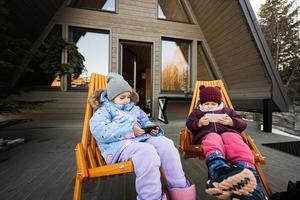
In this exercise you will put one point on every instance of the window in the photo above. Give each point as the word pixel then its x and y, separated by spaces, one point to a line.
pixel 173 10
pixel 175 65
pixel 106 5
pixel 94 46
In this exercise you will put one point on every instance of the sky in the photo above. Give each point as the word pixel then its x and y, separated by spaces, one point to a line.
pixel 256 4
pixel 94 47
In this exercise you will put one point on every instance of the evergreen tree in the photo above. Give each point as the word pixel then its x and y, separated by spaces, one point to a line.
pixel 280 24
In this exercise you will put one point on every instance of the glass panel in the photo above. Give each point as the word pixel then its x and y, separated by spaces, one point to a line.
pixel 94 46
pixel 108 5
pixel 172 10
pixel 175 65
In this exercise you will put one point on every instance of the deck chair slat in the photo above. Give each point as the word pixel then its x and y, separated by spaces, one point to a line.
pixel 90 157
pixel 85 132
pixel 263 179
pixel 82 171
pixel 88 114
pixel 99 158
pixel 93 146
pixel 187 149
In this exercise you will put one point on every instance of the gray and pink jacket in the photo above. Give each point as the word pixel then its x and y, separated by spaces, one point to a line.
pixel 239 124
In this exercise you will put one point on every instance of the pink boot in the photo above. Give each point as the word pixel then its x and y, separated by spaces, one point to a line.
pixel 188 193
pixel 164 197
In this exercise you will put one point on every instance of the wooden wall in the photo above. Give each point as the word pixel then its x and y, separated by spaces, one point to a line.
pixel 233 48
pixel 219 24
pixel 135 20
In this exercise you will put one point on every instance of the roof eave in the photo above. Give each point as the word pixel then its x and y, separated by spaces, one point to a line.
pixel 279 95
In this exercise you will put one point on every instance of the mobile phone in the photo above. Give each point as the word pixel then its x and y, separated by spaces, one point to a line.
pixel 214 117
pixel 148 129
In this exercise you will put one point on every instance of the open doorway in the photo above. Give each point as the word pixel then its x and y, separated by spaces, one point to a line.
pixel 135 65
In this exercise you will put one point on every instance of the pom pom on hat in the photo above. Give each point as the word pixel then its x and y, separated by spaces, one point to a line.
pixel 210 94
pixel 116 85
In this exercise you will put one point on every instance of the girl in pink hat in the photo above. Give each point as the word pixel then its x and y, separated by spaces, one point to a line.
pixel 228 158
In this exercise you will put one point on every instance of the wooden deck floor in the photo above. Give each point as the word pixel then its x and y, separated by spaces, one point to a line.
pixel 44 166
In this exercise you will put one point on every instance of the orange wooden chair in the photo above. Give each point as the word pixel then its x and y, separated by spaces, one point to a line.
pixel 89 161
pixel 187 149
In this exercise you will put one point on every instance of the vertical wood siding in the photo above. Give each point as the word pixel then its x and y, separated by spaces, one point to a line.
pixel 232 46
pixel 135 20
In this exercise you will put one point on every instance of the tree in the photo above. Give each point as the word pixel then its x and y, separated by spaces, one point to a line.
pixel 14 51
pixel 280 24
pixel 51 58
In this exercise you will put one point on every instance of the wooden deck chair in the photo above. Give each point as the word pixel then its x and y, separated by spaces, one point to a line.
pixel 187 149
pixel 89 161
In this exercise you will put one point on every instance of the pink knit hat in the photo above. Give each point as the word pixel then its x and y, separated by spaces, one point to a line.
pixel 210 94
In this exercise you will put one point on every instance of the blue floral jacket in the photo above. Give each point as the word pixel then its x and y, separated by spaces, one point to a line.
pixel 112 125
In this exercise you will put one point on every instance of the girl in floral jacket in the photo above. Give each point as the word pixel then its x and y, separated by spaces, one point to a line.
pixel 117 127
pixel 229 159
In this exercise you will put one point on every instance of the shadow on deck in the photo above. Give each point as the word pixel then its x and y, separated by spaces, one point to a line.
pixel 44 166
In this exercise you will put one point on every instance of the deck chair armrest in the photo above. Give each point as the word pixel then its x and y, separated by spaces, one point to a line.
pixel 82 170
pixel 118 168
pixel 255 150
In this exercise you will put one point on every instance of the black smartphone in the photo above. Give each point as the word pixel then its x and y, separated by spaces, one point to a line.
pixel 148 129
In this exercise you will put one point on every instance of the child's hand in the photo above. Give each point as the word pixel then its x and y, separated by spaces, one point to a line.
pixel 154 132
pixel 226 121
pixel 203 121
pixel 137 130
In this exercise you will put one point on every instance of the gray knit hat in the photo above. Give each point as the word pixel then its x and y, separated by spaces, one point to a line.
pixel 116 85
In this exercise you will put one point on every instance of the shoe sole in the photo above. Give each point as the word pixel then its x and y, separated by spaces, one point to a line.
pixel 218 193
pixel 241 184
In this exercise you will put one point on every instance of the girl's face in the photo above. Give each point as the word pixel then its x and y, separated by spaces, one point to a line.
pixel 210 105
pixel 122 99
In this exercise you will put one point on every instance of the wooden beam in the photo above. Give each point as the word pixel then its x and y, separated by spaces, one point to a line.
pixel 267 118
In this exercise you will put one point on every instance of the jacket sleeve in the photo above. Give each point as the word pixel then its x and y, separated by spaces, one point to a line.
pixel 238 123
pixel 192 122
pixel 144 121
pixel 107 131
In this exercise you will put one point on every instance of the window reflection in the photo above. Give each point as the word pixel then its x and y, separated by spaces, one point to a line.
pixel 175 65
pixel 173 10
pixel 108 5
pixel 94 46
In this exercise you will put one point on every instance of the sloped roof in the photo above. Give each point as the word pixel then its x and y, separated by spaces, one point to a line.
pixel 231 32
pixel 279 94
pixel 241 53
pixel 31 17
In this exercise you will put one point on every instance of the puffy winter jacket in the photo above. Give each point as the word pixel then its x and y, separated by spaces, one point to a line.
pixel 111 125
pixel 199 132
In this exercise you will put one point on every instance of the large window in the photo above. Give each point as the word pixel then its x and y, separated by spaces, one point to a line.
pixel 173 10
pixel 175 65
pixel 94 46
pixel 106 5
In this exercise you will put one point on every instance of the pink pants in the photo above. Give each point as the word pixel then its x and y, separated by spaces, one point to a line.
pixel 231 145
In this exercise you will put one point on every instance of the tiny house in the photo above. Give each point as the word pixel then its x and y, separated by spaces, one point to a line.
pixel 162 47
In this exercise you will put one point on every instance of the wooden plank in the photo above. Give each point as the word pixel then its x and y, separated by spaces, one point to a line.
pixel 91 157
pixel 220 13
pixel 107 170
pixel 206 8
pixel 81 163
